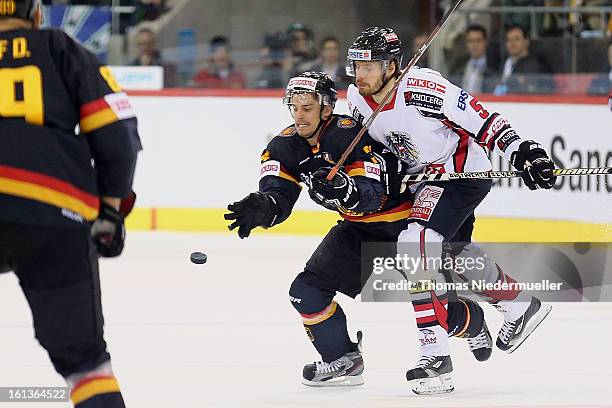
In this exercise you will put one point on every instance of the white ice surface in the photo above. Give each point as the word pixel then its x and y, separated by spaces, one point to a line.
pixel 224 334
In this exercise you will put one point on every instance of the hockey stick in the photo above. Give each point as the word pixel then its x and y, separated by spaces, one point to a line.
pixel 387 97
pixel 412 178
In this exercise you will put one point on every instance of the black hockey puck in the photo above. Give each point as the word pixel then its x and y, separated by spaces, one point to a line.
pixel 198 257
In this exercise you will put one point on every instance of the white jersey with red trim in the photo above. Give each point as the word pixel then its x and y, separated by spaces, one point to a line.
pixel 435 126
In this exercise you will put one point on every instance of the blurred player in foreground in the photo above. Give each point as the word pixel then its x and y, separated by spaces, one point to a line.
pixel 61 192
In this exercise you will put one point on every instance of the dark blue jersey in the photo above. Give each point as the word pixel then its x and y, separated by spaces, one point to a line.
pixel 289 160
pixel 67 131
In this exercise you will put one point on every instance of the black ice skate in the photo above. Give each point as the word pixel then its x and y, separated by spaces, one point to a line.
pixel 514 333
pixel 345 371
pixel 481 346
pixel 432 375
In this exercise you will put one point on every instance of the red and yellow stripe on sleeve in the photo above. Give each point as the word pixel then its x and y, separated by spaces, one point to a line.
pixel 49 190
pixel 355 169
pixel 105 111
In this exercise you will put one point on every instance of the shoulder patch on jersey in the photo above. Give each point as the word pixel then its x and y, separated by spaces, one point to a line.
pixel 346 123
pixel 288 131
pixel 416 84
pixel 424 100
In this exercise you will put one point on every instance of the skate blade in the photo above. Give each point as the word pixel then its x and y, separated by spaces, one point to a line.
pixel 533 324
pixel 442 384
pixel 344 381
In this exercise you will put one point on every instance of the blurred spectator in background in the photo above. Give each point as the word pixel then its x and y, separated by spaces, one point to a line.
pixel 522 71
pixel 301 53
pixel 273 55
pixel 521 19
pixel 330 63
pixel 601 83
pixel 221 71
pixel 555 24
pixel 592 24
pixel 149 55
pixel 148 10
pixel 417 43
pixel 452 38
pixel 480 73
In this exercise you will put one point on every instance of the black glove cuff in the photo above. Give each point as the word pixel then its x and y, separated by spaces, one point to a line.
pixel 109 213
pixel 272 213
pixel 528 151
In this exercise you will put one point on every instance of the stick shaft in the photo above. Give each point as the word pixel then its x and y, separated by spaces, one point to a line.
pixel 482 175
pixel 392 91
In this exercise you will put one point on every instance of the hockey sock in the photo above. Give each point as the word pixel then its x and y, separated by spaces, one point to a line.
pixel 431 316
pixel 97 392
pixel 327 331
pixel 465 318
pixel 419 243
pixel 323 318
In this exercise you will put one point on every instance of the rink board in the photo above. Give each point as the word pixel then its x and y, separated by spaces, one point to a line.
pixel 202 152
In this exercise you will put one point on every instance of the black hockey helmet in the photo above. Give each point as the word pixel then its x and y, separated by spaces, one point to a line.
pixel 375 44
pixel 23 9
pixel 318 83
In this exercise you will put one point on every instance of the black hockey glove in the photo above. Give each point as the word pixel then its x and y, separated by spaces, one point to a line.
pixel 535 164
pixel 340 193
pixel 255 210
pixel 108 231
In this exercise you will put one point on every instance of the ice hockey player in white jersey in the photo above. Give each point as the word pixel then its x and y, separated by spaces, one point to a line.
pixel 435 127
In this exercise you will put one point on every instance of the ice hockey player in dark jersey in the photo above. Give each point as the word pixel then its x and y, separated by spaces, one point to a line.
pixel 365 193
pixel 61 192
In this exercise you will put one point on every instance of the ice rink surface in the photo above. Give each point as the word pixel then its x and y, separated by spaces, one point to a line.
pixel 224 334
